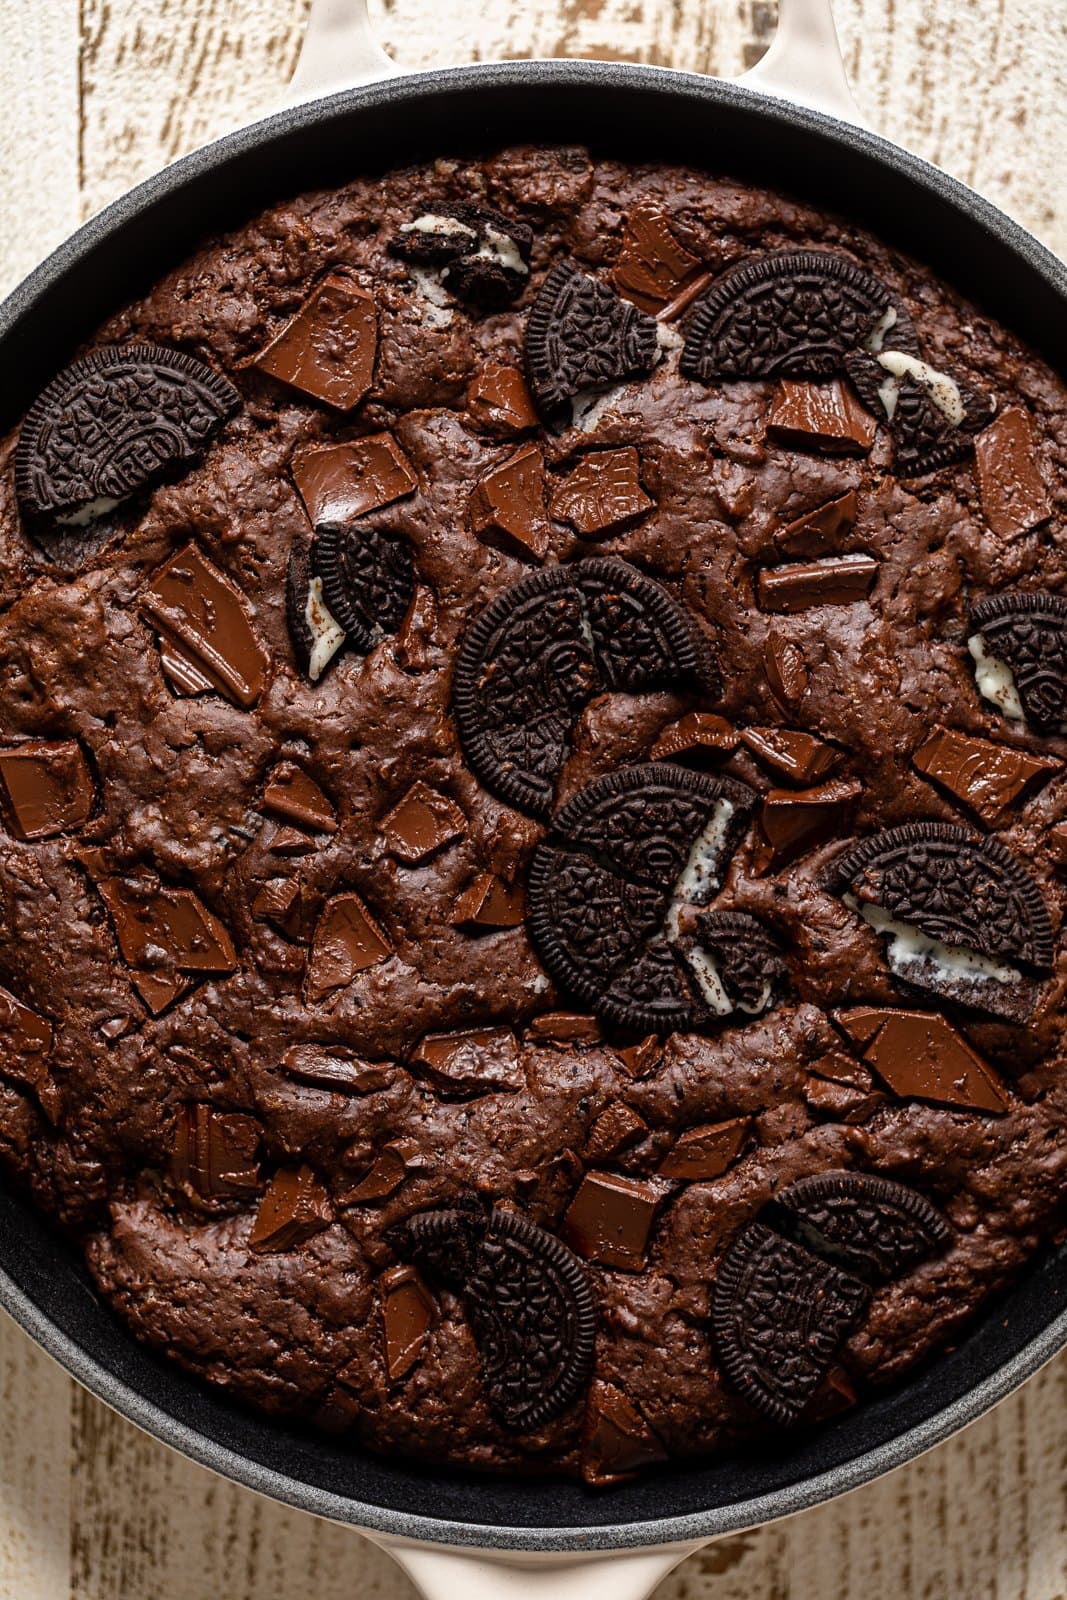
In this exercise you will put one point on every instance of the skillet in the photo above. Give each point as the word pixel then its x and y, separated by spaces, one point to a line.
pixel 791 124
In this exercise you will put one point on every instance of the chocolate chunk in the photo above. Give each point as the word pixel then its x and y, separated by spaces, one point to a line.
pixel 703 1153
pixel 207 639
pixel 598 927
pixel 25 1048
pixel 160 992
pixel 165 934
pixel 987 778
pixel 696 734
pixel 335 1068
pixel 779 1316
pixel 639 1060
pixel 386 1174
pixel 368 579
pixel 316 634
pixel 791 754
pixel 786 314
pixel 415 636
pixel 581 335
pixel 478 1062
pixel 213 1154
pixel 870 1225
pixel 840 1102
pixel 617 1442
pixel 115 421
pixel 1013 492
pixel 327 349
pixel 787 673
pixel 279 901
pixel 287 841
pixel 617 1128
pixel 684 298
pixel 819 532
pixel 652 266
pixel 45 788
pixel 490 903
pixel 837 581
pixel 294 1209
pixel 543 648
pixel 407 1315
pixel 528 1301
pixel 485 256
pixel 566 1028
pixel 921 1056
pixel 347 941
pixel 820 416
pixel 601 493
pixel 499 401
pixel 610 1219
pixel 340 482
pixel 747 964
pixel 507 506
pixel 1027 634
pixel 794 821
pixel 289 792
pixel 422 823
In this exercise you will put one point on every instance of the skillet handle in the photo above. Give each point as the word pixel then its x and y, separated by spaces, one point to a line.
pixel 448 1574
pixel 339 51
pixel 804 63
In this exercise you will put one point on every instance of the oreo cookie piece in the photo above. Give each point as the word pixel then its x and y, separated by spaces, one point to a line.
pixel 528 1301
pixel 114 422
pixel 932 415
pixel 870 1225
pixel 580 335
pixel 315 633
pixel 1019 646
pixel 744 958
pixel 368 578
pixel 544 647
pixel 779 1315
pixel 792 313
pixel 962 917
pixel 485 256
pixel 607 884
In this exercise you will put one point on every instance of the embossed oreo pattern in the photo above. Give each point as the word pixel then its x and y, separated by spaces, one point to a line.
pixel 1028 632
pixel 581 334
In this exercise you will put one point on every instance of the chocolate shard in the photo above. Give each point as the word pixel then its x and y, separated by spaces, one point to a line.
pixel 385 1175
pixel 617 1442
pixel 164 932
pixel 214 1154
pixel 1013 492
pixel 872 1226
pixel 919 1055
pixel 159 992
pixel 565 1028
pixel 787 672
pixel 641 1059
pixel 45 788
pixel 791 754
pixel 336 1068
pixel 794 821
pixel 610 1219
pixel 652 266
pixel 987 778
pixel 327 350
pixel 835 581
pixel 480 1061
pixel 499 402
pixel 601 493
pixel 819 532
pixel 347 942
pixel 697 734
pixel 821 416
pixel 293 1210
pixel 207 637
pixel 582 335
pixel 25 1051
pixel 507 506
pixel 415 637
pixel 287 841
pixel 421 823
pixel 840 1102
pixel 407 1315
pixel 703 1153
pixel 617 1128
pixel 290 793
pixel 340 482
pixel 279 901
pixel 490 903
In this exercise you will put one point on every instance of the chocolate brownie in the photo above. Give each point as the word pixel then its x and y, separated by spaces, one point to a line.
pixel 533 701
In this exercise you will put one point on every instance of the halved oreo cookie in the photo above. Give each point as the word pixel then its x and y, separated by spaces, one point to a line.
pixel 546 646
pixel 368 578
pixel 581 334
pixel 528 1300
pixel 605 883
pixel 792 313
pixel 316 634
pixel 962 915
pixel 779 1316
pixel 745 959
pixel 1021 656
pixel 870 1225
pixel 115 421
pixel 933 416
pixel 485 256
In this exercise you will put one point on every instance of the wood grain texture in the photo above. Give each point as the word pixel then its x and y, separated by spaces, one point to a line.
pixel 98 93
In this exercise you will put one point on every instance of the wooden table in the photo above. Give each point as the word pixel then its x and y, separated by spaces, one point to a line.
pixel 97 93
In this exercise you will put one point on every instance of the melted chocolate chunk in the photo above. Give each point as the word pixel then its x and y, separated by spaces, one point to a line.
pixel 779 1316
pixel 368 579
pixel 748 959
pixel 870 1225
pixel 205 624
pixel 601 493
pixel 1028 633
pixel 529 1303
pixel 920 1056
pixel 543 648
pixel 327 349
pixel 214 1154
pixel 485 256
pixel 580 335
pixel 611 1218
pixel 787 314
pixel 1012 490
pixel 293 1210
pixel 45 788
pixel 115 421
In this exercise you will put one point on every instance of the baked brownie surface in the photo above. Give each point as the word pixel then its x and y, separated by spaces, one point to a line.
pixel 533 812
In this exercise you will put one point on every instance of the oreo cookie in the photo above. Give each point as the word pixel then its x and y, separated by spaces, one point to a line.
pixel 315 633
pixel 544 647
pixel 1019 643
pixel 368 578
pixel 932 415
pixel 485 257
pixel 870 1225
pixel 528 1301
pixel 747 959
pixel 580 335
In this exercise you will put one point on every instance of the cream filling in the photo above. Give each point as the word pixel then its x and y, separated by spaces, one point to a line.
pixel 326 632
pixel 437 309
pixel 91 511
pixel 910 947
pixel 943 391
pixel 995 680
pixel 875 340
pixel 433 222
pixel 502 249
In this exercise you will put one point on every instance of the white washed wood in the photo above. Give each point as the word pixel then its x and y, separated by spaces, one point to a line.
pixel 97 93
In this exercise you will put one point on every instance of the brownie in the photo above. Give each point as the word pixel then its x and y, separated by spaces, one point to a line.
pixel 533 702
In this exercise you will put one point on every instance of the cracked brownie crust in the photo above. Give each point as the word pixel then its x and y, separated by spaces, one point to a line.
pixel 530 1019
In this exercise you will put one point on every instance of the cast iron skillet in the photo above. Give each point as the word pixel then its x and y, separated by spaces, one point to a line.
pixel 620 110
